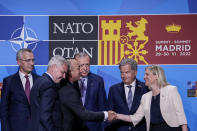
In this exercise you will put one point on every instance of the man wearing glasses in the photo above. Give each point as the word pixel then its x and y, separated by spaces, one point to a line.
pixel 15 102
pixel 92 90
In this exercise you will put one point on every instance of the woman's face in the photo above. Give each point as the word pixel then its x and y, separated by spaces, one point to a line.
pixel 150 78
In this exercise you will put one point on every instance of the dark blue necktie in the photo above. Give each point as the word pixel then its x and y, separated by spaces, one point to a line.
pixel 129 100
pixel 82 88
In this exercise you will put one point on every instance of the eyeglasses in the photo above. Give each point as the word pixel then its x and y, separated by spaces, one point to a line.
pixel 28 60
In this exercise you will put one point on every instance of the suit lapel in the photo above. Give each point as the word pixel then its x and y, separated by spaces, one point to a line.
pixel 48 77
pixel 123 96
pixel 147 106
pixel 89 88
pixel 137 97
pixel 76 86
pixel 18 83
pixel 34 79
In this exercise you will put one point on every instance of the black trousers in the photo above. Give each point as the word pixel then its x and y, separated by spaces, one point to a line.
pixel 163 127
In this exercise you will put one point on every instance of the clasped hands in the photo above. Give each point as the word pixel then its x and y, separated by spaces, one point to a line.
pixel 112 116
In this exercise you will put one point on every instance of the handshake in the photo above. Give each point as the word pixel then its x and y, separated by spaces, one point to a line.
pixel 111 116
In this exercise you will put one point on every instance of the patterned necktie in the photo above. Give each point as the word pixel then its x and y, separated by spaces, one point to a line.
pixel 129 100
pixel 27 87
pixel 82 90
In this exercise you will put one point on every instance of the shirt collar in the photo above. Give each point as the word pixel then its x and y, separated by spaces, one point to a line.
pixel 49 75
pixel 132 84
pixel 22 75
pixel 84 78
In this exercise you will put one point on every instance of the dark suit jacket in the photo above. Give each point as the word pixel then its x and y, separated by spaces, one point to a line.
pixel 117 102
pixel 15 108
pixel 74 112
pixel 96 99
pixel 45 107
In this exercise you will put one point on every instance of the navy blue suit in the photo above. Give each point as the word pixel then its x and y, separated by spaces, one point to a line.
pixel 96 99
pixel 15 108
pixel 45 106
pixel 118 103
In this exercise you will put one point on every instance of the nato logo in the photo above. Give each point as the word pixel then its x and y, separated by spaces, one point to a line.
pixel 19 32
pixel 23 37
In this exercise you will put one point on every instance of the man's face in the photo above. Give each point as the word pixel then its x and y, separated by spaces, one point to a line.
pixel 127 75
pixel 84 65
pixel 26 62
pixel 59 72
pixel 75 75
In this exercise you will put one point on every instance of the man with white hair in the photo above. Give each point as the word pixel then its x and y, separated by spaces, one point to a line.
pixel 45 107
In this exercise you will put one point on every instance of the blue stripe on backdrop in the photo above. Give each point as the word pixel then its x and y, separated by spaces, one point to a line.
pixel 192 6
pixel 92 7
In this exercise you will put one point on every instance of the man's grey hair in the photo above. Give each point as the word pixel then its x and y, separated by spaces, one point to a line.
pixel 20 52
pixel 129 61
pixel 81 54
pixel 57 60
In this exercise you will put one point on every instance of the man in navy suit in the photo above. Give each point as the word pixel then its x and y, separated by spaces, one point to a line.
pixel 15 106
pixel 45 106
pixel 92 89
pixel 125 96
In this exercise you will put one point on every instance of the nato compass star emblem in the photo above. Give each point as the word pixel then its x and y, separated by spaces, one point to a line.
pixel 23 37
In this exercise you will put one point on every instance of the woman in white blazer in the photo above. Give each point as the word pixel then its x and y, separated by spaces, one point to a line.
pixel 162 106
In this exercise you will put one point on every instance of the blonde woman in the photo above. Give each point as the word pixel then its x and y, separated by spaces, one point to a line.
pixel 162 106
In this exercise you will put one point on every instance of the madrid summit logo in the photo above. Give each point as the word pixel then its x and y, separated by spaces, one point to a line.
pixel 23 37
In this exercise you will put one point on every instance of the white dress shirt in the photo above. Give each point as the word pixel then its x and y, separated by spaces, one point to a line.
pixel 132 89
pixel 23 79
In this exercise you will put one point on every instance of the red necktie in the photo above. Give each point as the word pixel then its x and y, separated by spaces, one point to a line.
pixel 27 87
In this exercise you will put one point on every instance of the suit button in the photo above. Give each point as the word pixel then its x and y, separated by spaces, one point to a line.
pixel 129 128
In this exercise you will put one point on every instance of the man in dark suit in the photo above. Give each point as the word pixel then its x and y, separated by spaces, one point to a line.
pixel 92 90
pixel 45 107
pixel 125 97
pixel 74 113
pixel 15 106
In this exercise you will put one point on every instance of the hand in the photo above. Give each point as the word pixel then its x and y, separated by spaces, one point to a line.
pixel 123 117
pixel 111 116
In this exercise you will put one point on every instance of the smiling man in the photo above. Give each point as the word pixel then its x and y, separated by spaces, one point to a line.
pixel 92 90
pixel 45 107
pixel 125 96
